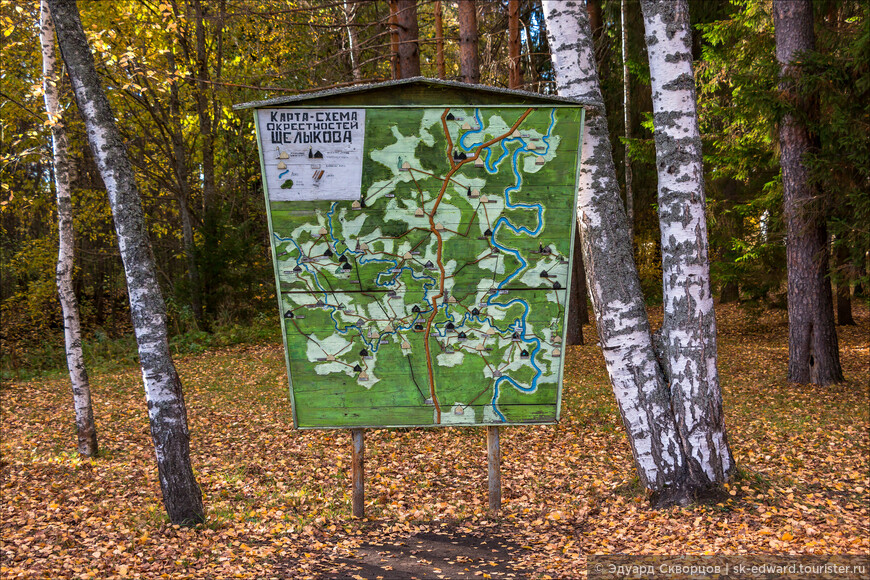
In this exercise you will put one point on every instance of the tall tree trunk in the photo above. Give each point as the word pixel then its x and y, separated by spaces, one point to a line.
pixel 409 50
pixel 469 63
pixel 75 360
pixel 204 94
pixel 593 8
pixel 352 40
pixel 394 40
pixel 202 109
pixel 813 352
pixel 515 74
pixel 844 295
pixel 439 41
pixel 730 292
pixel 617 299
pixel 599 39
pixel 578 312
pixel 166 409
pixel 626 116
pixel 689 327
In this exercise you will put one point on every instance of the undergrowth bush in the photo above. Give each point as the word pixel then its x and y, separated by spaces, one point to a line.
pixel 104 353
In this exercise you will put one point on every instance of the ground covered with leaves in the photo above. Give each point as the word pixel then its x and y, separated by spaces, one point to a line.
pixel 278 500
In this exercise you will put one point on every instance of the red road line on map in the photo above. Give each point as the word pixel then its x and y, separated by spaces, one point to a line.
pixel 453 169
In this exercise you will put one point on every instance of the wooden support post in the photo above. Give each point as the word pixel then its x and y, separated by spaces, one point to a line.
pixel 493 454
pixel 357 473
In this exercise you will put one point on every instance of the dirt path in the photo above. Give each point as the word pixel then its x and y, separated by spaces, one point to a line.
pixel 428 555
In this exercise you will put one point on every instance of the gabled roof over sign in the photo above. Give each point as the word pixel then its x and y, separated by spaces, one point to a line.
pixel 419 91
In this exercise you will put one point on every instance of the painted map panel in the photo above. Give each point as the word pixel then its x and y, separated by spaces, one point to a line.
pixel 435 292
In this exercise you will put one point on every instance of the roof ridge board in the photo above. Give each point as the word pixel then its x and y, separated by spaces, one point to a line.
pixel 301 97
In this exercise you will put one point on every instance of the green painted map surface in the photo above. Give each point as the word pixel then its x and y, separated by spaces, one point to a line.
pixel 438 296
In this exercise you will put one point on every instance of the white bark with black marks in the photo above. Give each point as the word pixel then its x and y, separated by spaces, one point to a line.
pixel 166 409
pixel 352 40
pixel 85 427
pixel 689 328
pixel 611 274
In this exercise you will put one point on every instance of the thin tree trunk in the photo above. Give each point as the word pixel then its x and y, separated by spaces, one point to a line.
pixel 81 390
pixel 813 352
pixel 469 63
pixel 626 116
pixel 394 40
pixel 166 409
pixel 182 192
pixel 515 74
pixel 844 295
pixel 439 41
pixel 617 300
pixel 689 327
pixel 352 41
pixel 533 73
pixel 409 50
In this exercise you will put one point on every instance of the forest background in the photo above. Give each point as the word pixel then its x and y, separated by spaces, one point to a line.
pixel 173 70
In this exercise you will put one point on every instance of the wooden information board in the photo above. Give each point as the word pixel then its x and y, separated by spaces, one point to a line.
pixel 423 258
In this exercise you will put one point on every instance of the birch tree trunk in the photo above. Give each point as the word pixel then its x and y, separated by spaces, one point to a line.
pixel 813 352
pixel 166 409
pixel 85 428
pixel 689 327
pixel 409 51
pixel 352 41
pixel 623 328
pixel 469 62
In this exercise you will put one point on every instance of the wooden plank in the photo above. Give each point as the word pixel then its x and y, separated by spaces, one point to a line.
pixel 426 95
pixel 422 416
pixel 358 473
